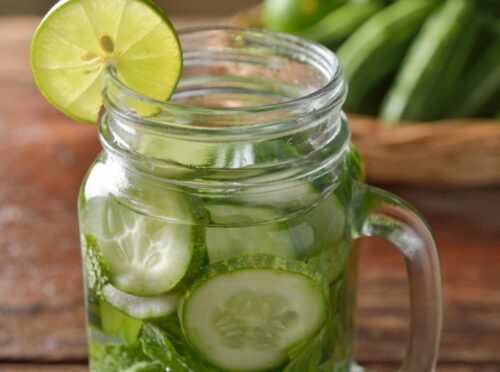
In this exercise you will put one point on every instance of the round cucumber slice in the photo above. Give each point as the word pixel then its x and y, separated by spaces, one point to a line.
pixel 320 228
pixel 245 314
pixel 144 256
pixel 78 39
pixel 271 238
pixel 186 153
pixel 140 307
pixel 300 195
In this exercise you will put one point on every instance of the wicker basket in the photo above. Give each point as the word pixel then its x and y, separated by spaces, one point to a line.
pixel 447 153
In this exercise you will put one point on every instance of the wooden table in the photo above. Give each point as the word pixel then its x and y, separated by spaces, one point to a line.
pixel 43 158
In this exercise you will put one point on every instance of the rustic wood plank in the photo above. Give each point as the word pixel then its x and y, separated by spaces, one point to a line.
pixel 41 165
pixel 43 367
pixel 442 367
pixel 43 158
pixel 370 367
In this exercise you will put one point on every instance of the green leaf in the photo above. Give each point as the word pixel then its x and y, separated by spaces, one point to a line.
pixel 120 358
pixel 157 346
pixel 308 359
pixel 162 340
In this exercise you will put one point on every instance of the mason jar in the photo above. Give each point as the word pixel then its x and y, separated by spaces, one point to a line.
pixel 219 228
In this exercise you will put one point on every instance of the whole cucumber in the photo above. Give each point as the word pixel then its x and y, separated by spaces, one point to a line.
pixel 377 48
pixel 435 58
pixel 481 85
pixel 337 26
pixel 291 15
pixel 443 97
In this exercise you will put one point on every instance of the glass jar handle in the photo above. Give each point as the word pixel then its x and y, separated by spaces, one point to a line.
pixel 379 213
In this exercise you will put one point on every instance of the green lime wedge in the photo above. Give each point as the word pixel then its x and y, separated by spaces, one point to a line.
pixel 78 39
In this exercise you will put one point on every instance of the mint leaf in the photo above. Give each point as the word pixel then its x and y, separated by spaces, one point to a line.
pixel 163 341
pixel 120 358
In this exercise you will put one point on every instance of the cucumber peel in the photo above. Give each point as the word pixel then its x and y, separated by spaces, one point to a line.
pixel 333 29
pixel 427 60
pixel 376 49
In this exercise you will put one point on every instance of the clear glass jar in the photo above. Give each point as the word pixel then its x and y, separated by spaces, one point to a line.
pixel 218 228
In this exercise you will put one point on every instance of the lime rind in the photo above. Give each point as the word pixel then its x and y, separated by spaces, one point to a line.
pixel 78 39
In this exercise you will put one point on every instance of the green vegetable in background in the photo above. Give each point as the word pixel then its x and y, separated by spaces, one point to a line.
pixel 481 84
pixel 339 24
pixel 291 15
pixel 405 60
pixel 376 49
pixel 478 90
pixel 434 60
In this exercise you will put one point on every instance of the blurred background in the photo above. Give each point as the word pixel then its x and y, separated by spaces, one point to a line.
pixel 182 8
pixel 443 158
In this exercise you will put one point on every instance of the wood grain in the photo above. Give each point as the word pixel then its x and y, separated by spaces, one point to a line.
pixel 372 367
pixel 43 159
pixel 23 367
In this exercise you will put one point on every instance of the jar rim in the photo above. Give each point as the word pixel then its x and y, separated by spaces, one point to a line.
pixel 312 123
pixel 333 92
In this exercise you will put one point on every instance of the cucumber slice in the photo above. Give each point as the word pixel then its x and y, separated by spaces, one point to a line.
pixel 297 196
pixel 320 228
pixel 332 262
pixel 250 208
pixel 319 237
pixel 141 307
pixel 135 306
pixel 147 195
pixel 238 214
pixel 187 153
pixel 244 314
pixel 144 256
pixel 228 242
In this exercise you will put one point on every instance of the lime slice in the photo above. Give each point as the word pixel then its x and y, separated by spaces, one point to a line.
pixel 78 39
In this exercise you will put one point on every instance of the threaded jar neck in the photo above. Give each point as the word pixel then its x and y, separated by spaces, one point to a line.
pixel 252 106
